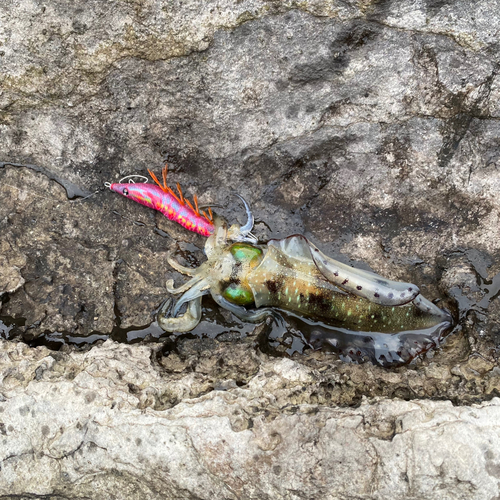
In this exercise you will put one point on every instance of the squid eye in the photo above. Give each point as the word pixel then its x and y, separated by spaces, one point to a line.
pixel 125 192
pixel 242 252
pixel 239 295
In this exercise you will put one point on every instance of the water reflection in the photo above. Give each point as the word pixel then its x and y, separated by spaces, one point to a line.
pixel 292 333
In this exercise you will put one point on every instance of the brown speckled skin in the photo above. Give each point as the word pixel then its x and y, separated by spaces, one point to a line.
pixel 297 285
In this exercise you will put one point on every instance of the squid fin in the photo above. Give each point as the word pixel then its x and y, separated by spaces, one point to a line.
pixel 366 284
pixel 371 286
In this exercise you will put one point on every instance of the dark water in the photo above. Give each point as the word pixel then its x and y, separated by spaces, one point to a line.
pixel 281 335
pixel 213 325
pixel 488 288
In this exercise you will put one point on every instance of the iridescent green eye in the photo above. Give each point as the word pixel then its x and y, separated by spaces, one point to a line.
pixel 238 294
pixel 242 252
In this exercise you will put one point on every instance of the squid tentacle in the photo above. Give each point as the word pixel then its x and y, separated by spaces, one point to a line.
pixel 245 230
pixel 184 323
pixel 188 271
pixel 198 290
pixel 183 288
pixel 243 233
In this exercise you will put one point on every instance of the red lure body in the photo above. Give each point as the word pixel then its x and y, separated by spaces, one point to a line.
pixel 171 205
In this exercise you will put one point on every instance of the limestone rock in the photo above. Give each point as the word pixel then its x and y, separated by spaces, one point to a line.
pixel 85 425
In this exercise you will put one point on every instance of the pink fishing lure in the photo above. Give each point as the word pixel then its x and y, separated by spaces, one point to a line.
pixel 174 206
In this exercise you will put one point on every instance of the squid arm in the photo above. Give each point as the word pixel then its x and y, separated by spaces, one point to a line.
pixel 197 290
pixel 184 323
pixel 253 316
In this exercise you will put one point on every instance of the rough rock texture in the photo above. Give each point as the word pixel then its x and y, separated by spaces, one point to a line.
pixel 371 127
pixel 93 425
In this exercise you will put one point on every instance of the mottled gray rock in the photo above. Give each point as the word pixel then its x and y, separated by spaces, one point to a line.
pixel 370 127
pixel 88 425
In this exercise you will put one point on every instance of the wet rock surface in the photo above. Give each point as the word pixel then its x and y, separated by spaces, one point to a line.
pixel 370 127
